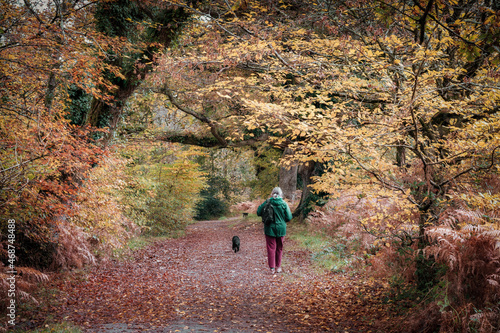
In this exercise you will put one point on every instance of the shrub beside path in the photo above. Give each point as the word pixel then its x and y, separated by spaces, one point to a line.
pixel 198 284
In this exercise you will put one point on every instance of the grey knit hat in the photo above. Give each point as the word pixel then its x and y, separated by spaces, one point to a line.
pixel 277 192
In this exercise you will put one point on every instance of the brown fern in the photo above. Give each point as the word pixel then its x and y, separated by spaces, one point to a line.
pixel 31 275
pixel 73 248
pixel 26 279
pixel 472 256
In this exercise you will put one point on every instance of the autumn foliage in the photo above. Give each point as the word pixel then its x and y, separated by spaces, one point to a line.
pixel 387 112
pixel 397 103
pixel 44 157
pixel 59 181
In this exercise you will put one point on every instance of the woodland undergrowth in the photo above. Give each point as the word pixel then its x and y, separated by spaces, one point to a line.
pixel 95 228
pixel 132 192
pixel 463 252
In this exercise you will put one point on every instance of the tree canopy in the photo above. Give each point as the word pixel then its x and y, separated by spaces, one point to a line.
pixel 389 100
pixel 396 96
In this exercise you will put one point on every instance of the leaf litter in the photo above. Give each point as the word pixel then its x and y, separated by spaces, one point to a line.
pixel 196 283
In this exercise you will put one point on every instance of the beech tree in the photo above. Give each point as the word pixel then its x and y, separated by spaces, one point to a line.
pixel 196 78
pixel 148 26
pixel 67 68
pixel 55 59
pixel 46 47
pixel 399 78
pixel 393 99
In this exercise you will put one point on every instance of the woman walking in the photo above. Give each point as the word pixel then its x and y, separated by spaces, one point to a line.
pixel 275 231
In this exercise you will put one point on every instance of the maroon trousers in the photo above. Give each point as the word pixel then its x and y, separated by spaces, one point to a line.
pixel 274 247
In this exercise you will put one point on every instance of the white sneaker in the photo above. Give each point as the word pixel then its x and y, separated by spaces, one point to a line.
pixel 278 270
pixel 273 271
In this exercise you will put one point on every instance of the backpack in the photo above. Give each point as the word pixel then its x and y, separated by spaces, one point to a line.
pixel 268 213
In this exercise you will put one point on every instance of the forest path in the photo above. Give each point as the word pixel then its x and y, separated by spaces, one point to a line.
pixel 198 284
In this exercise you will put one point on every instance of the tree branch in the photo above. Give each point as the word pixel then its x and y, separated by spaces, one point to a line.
pixel 208 141
pixel 28 5
pixel 472 169
pixel 190 139
pixel 423 19
pixel 214 128
pixel 384 182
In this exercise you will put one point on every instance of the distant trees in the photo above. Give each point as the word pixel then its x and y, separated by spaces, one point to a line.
pixel 176 192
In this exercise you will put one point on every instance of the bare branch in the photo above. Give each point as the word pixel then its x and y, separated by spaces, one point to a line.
pixel 28 5
pixel 383 181
pixel 471 169
pixel 212 124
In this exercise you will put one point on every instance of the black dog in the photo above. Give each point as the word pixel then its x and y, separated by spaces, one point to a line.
pixel 236 244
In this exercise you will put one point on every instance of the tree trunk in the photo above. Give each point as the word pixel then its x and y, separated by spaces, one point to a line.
pixel 102 114
pixel 288 177
pixel 49 95
pixel 306 171
pixel 426 273
pixel 400 155
pixel 96 110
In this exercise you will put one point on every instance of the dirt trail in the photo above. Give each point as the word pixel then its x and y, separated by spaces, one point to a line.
pixel 198 284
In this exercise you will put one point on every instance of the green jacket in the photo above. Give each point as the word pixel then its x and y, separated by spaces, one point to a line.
pixel 282 215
